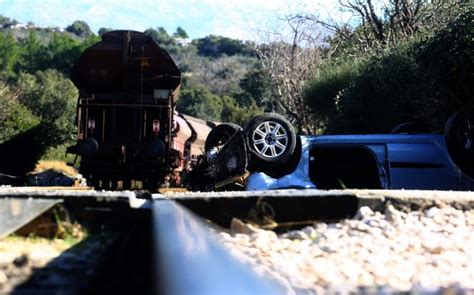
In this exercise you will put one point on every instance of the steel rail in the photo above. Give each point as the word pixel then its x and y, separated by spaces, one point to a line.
pixel 190 261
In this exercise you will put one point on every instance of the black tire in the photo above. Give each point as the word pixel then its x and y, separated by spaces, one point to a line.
pixel 271 139
pixel 407 127
pixel 459 135
pixel 220 135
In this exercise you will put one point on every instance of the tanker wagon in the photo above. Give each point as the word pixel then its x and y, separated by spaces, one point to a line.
pixel 127 90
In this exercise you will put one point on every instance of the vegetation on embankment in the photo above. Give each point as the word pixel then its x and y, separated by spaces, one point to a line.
pixel 422 78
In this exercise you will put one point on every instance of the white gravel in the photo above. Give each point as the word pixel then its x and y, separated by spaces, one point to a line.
pixel 423 252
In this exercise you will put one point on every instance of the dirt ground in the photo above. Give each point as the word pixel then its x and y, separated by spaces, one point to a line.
pixel 20 256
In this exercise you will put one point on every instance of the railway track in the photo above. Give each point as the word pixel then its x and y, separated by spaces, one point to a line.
pixel 214 243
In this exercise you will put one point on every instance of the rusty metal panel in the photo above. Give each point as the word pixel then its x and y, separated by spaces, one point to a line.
pixel 202 129
pixel 125 59
pixel 183 134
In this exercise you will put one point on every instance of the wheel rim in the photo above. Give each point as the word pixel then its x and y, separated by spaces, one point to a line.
pixel 270 139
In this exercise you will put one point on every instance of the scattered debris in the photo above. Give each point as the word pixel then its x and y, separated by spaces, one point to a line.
pixel 55 173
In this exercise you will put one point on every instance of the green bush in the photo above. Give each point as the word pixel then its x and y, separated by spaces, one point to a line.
pixel 447 63
pixel 323 93
pixel 58 153
pixel 15 118
pixel 422 79
pixel 200 102
pixel 52 98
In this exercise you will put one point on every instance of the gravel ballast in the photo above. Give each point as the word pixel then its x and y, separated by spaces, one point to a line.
pixel 420 251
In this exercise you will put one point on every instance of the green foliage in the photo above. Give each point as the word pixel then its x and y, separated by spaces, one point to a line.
pixel 52 98
pixel 180 33
pixel 79 28
pixel 34 53
pixel 216 46
pixel 9 54
pixel 232 112
pixel 447 65
pixel 87 42
pixel 220 75
pixel 103 31
pixel 32 57
pixel 15 118
pixel 201 103
pixel 345 43
pixel 256 87
pixel 381 96
pixel 422 79
pixel 20 120
pixel 59 153
pixel 323 93
pixel 164 40
pixel 63 51
pixel 160 36
pixel 6 22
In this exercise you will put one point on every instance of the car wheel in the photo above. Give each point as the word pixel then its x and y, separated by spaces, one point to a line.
pixel 271 138
pixel 407 127
pixel 459 132
pixel 220 135
pixel 459 135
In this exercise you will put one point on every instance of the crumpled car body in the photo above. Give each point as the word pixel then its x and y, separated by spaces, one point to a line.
pixel 267 154
pixel 376 161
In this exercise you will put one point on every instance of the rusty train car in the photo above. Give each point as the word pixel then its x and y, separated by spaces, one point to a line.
pixel 127 127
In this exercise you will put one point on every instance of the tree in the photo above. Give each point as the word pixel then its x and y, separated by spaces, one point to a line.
pixel 216 46
pixel 104 30
pixel 6 22
pixel 201 103
pixel 79 28
pixel 51 98
pixel 14 117
pixel 232 112
pixel 9 55
pixel 160 36
pixel 88 42
pixel 180 33
pixel 221 75
pixel 383 24
pixel 423 79
pixel 63 51
pixel 289 65
pixel 256 88
pixel 32 54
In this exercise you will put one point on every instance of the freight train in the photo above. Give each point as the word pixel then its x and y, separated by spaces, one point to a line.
pixel 127 126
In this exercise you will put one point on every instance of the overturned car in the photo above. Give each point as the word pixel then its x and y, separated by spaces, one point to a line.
pixel 267 154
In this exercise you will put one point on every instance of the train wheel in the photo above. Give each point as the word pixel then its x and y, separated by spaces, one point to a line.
pixel 126 184
pixel 151 184
pixel 114 184
pixel 105 184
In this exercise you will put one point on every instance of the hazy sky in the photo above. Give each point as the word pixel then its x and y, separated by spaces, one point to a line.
pixel 233 18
